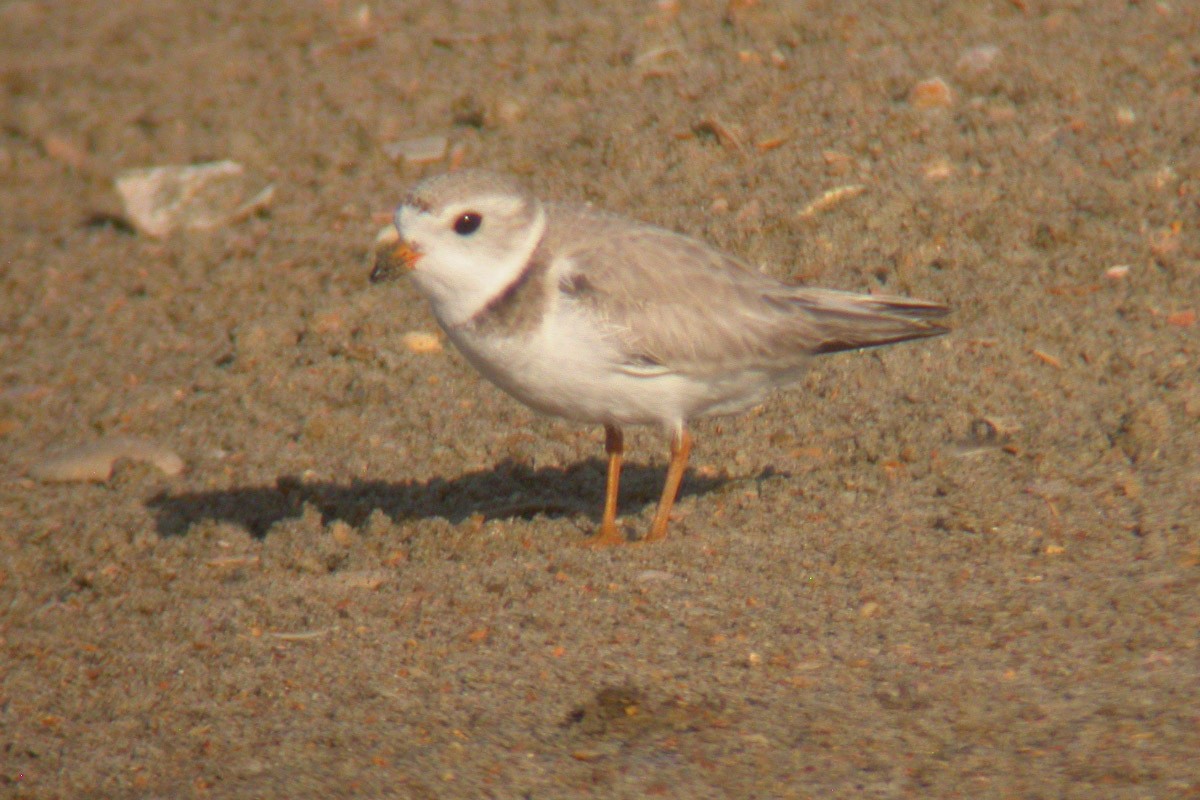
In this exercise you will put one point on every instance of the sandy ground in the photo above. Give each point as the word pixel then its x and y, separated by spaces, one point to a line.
pixel 965 567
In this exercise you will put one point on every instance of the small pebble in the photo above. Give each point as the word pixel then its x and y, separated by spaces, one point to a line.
pixel 938 170
pixel 366 579
pixel 94 462
pixel 341 532
pixel 509 111
pixel 1182 319
pixel 770 143
pixel 838 163
pixel 931 93
pixel 66 150
pixel 1117 273
pixel 1164 177
pixel 1125 116
pixel 360 19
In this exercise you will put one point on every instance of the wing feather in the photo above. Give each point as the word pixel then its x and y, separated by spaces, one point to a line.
pixel 672 303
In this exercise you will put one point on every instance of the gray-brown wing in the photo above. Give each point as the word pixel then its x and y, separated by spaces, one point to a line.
pixel 674 302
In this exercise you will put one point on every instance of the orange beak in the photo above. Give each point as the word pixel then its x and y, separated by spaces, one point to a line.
pixel 406 255
pixel 389 260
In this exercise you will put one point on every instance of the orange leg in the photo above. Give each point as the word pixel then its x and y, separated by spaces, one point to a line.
pixel 681 448
pixel 608 535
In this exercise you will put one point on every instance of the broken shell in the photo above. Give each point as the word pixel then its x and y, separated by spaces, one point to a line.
pixel 422 150
pixel 830 199
pixel 975 60
pixel 94 462
pixel 160 200
pixel 1117 273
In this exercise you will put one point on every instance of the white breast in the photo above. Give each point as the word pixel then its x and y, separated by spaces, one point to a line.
pixel 567 368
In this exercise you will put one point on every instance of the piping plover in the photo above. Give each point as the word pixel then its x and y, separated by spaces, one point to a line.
pixel 597 318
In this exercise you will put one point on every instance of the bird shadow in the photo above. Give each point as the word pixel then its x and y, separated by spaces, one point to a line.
pixel 507 490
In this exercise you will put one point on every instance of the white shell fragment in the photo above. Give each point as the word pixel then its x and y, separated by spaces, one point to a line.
pixel 94 462
pixel 1118 272
pixel 421 342
pixel 160 200
pixel 422 150
pixel 976 60
pixel 831 198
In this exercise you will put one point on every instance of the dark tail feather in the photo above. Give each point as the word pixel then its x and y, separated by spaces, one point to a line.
pixel 848 321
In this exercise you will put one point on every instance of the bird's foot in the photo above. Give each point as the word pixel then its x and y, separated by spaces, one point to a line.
pixel 607 536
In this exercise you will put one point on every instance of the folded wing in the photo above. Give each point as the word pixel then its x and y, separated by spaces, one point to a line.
pixel 673 303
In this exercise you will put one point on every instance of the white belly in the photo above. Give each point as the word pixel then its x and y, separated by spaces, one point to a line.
pixel 566 368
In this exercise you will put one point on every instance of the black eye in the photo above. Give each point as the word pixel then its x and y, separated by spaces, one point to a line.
pixel 467 223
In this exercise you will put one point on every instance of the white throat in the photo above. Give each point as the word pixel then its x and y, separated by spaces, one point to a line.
pixel 461 282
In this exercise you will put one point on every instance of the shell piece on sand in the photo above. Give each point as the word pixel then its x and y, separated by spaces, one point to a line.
pixel 421 342
pixel 421 150
pixel 931 93
pixel 94 461
pixel 160 200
